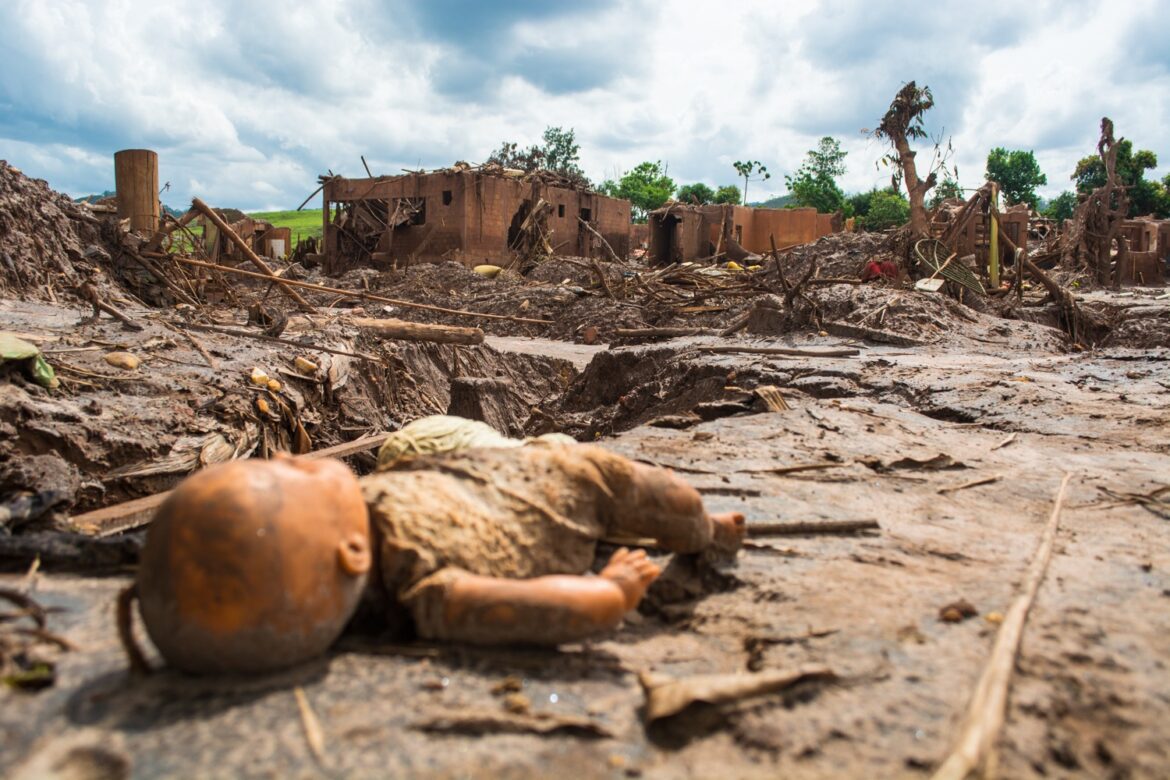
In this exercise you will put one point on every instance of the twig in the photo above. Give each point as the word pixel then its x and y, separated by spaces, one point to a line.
pixel 970 484
pixel 604 243
pixel 976 745
pixel 314 736
pixel 805 529
pixel 792 469
pixel 1011 437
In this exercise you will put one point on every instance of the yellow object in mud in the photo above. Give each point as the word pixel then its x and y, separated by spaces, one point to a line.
pixel 123 360
pixel 447 433
pixel 305 366
pixel 490 271
pixel 258 377
pixel 274 385
pixel 733 266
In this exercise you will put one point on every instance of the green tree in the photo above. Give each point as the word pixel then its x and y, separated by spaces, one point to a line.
pixel 1061 207
pixel 1145 197
pixel 885 209
pixel 815 181
pixel 727 194
pixel 1017 173
pixel 948 188
pixel 696 193
pixel 750 170
pixel 559 153
pixel 562 154
pixel 646 187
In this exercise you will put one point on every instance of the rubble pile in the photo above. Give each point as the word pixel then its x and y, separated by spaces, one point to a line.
pixel 47 242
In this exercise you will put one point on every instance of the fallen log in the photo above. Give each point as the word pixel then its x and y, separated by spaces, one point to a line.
pixel 363 296
pixel 137 512
pixel 251 256
pixel 416 331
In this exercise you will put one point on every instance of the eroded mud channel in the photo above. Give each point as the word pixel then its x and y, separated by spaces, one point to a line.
pixel 955 449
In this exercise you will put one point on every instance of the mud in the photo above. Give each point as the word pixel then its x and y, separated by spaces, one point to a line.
pixel 951 427
pixel 110 434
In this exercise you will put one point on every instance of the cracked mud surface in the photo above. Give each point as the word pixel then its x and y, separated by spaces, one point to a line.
pixel 890 428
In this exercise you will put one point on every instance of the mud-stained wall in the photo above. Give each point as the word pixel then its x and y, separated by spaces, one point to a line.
pixel 472 218
pixel 680 233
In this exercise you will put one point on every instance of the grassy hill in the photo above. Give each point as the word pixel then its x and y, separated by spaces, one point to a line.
pixel 304 224
pixel 775 203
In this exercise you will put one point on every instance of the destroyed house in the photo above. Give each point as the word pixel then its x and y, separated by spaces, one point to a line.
pixel 469 215
pixel 682 233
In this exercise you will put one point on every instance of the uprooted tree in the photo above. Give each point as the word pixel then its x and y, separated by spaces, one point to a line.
pixel 1088 242
pixel 903 122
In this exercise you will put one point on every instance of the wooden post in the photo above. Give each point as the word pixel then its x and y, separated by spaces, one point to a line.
pixel 993 239
pixel 136 183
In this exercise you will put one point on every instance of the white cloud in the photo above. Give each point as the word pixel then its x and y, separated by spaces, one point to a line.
pixel 247 102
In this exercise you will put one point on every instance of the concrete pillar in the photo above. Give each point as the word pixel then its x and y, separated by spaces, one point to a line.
pixel 136 182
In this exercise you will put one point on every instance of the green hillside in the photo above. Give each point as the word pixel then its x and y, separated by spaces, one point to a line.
pixel 775 203
pixel 304 224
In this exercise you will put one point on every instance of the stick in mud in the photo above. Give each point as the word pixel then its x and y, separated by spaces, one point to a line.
pixel 976 745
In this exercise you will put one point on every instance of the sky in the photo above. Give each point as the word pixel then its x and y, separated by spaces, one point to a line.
pixel 248 102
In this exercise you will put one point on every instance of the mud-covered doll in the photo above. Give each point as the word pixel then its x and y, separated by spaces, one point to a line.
pixel 257 565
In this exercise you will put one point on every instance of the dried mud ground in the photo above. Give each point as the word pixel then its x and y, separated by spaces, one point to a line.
pixel 1091 694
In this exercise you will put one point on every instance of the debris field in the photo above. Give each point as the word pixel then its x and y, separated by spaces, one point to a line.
pixel 901 456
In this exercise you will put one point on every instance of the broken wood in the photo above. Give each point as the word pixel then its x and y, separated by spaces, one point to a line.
pixel 976 745
pixel 416 331
pixel 811 353
pixel 667 696
pixel 251 256
pixel 365 296
pixel 136 513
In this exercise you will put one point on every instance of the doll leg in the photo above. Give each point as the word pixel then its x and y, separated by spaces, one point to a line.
pixel 663 507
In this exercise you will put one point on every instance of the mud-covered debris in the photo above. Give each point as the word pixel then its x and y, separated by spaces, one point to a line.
pixel 29 651
pixel 957 611
pixel 667 696
pixel 124 360
pixel 477 722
